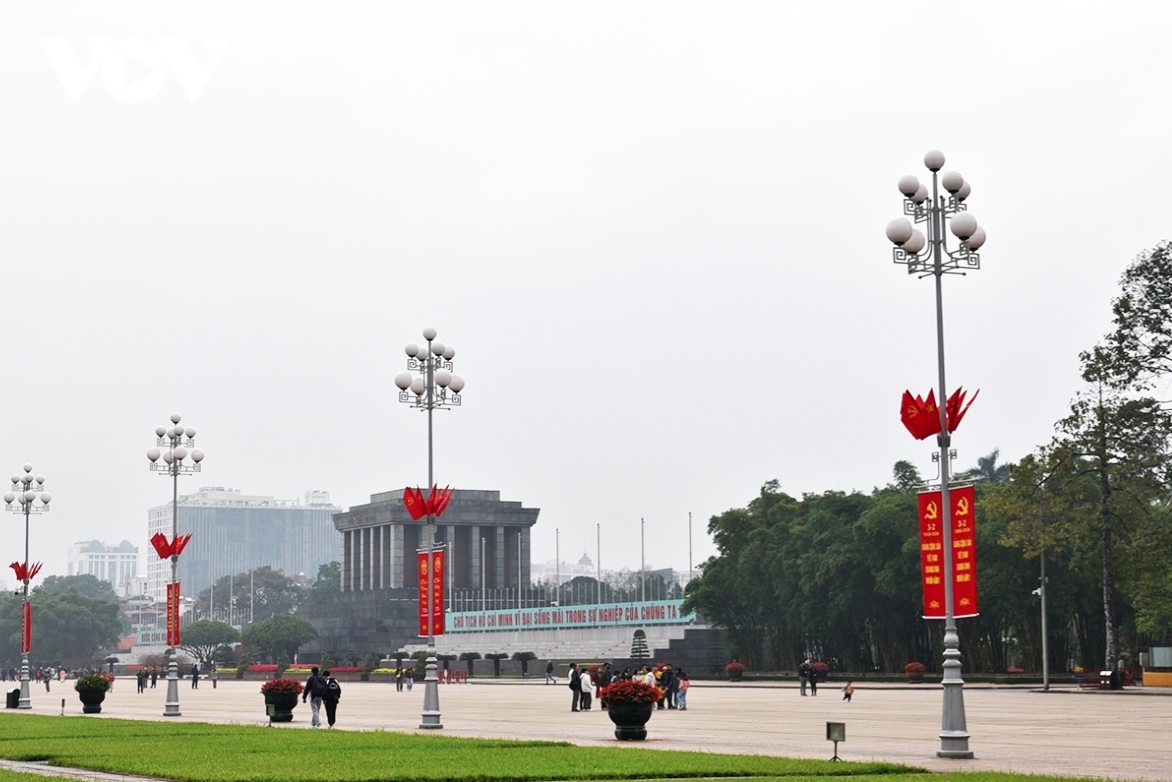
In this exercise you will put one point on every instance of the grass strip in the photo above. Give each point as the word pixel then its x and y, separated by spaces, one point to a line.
pixel 202 752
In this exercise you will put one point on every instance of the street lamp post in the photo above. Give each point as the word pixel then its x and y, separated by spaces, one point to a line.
pixel 433 388
pixel 924 255
pixel 177 440
pixel 24 495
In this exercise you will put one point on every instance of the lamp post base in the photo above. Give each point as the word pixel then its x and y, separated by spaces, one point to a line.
pixel 171 708
pixel 25 701
pixel 430 718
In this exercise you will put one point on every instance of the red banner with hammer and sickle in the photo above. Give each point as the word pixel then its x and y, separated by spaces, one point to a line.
pixel 437 592
pixel 26 628
pixel 964 553
pixel 424 595
pixel 173 614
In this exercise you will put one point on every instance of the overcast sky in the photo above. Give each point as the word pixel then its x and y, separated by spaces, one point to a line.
pixel 652 231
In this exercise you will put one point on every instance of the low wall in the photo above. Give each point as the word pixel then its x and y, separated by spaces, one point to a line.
pixel 1158 678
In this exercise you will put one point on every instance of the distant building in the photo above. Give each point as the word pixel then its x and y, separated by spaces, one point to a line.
pixel 233 532
pixel 113 564
pixel 550 571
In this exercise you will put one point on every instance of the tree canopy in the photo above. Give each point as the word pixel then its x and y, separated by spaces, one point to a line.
pixel 202 638
pixel 66 626
pixel 279 634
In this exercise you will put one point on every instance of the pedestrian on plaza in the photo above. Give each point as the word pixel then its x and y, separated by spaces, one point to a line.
pixel 46 677
pixel 682 690
pixel 812 678
pixel 399 678
pixel 215 676
pixel 575 687
pixel 847 692
pixel 549 677
pixel 195 676
pixel 331 697
pixel 315 690
pixel 604 679
pixel 140 681
pixel 804 674
pixel 154 676
pixel 668 682
pixel 410 677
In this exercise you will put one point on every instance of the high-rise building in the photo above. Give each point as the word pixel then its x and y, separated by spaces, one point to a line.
pixel 233 533
pixel 115 564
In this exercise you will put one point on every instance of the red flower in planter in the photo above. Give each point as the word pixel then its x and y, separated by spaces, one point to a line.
pixel 282 687
pixel 630 691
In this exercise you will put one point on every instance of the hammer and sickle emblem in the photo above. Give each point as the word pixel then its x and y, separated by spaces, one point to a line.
pixel 931 512
pixel 962 506
pixel 423 566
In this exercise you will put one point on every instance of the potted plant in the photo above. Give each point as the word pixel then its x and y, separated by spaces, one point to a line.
pixel 915 672
pixel 372 662
pixel 629 703
pixel 91 690
pixel 821 669
pixel 735 671
pixel 281 698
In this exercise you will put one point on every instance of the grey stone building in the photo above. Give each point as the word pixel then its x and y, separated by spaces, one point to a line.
pixel 376 609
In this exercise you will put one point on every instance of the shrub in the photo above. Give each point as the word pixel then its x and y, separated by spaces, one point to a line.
pixel 630 691
pixel 282 687
pixel 914 667
pixel 734 667
pixel 821 667
pixel 94 682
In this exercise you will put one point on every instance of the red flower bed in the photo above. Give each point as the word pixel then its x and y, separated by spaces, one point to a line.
pixel 630 691
pixel 263 668
pixel 282 687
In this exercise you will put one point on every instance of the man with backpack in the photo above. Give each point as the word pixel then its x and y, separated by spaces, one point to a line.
pixel 331 697
pixel 315 690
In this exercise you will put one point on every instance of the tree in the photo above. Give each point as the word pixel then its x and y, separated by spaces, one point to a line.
pixel 1140 347
pixel 201 639
pixel 280 635
pixel 987 469
pixel 496 658
pixel 328 584
pixel 269 593
pixel 907 477
pixel 67 626
pixel 524 658
pixel 639 650
pixel 85 585
pixel 470 657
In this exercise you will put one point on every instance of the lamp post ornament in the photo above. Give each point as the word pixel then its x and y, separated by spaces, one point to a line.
pixel 177 440
pixel 433 388
pixel 929 255
pixel 26 490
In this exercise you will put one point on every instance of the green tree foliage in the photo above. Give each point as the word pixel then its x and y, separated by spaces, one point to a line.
pixel 639 650
pixel 85 585
pixel 328 584
pixel 269 593
pixel 66 626
pixel 1140 346
pixel 201 639
pixel 279 635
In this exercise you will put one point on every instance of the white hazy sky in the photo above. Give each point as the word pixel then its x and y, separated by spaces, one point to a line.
pixel 652 231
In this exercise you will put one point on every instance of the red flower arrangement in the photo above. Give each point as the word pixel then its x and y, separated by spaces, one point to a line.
pixel 262 668
pixel 282 687
pixel 630 691
pixel 821 667
pixel 914 667
pixel 734 667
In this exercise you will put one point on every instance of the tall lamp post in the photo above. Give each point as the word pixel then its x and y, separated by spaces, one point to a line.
pixel 433 388
pixel 23 499
pixel 929 255
pixel 176 440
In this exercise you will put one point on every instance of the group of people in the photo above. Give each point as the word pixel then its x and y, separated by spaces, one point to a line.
pixel 321 689
pixel 808 677
pixel 404 676
pixel 587 683
pixel 146 677
pixel 43 675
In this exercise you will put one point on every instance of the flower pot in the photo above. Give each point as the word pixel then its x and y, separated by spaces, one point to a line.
pixel 915 677
pixel 279 706
pixel 629 719
pixel 91 701
pixel 735 676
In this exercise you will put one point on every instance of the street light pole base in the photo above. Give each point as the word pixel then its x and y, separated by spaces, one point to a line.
pixel 171 707
pixel 429 718
pixel 430 721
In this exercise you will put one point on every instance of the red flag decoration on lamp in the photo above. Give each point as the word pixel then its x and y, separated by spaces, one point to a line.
pixel 922 416
pixel 167 549
pixel 25 572
pixel 434 504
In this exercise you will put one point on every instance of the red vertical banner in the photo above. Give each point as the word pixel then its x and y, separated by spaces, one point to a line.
pixel 932 554
pixel 173 614
pixel 437 592
pixel 26 634
pixel 964 552
pixel 424 594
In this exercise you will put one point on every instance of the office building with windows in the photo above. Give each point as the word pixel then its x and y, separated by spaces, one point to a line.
pixel 114 564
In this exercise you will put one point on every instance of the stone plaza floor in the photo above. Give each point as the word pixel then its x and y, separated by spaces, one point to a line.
pixel 1120 735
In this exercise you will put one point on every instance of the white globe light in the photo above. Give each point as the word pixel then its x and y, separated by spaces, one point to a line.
pixel 175 418
pixel 449 352
pixel 28 468
pixel 965 191
pixel 46 497
pixel 403 380
pixel 921 195
pixel 15 478
pixel 899 231
pixel 964 225
pixel 915 243
pixel 442 378
pixel 171 433
pixel 908 185
pixel 9 497
pixel 168 458
pixel 429 333
pixel 952 181
pixel 40 479
pixel 457 384
pixel 29 496
pixel 197 456
pixel 26 479
pixel 160 431
pixel 437 347
pixel 190 432
pixel 417 386
pixel 977 239
pixel 934 160
pixel 181 453
pixel 23 499
pixel 153 454
pixel 412 349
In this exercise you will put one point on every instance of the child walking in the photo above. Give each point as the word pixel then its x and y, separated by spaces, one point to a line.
pixel 848 691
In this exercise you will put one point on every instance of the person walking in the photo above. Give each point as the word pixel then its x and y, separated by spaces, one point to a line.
pixel 410 677
pixel 575 687
pixel 315 689
pixel 812 678
pixel 847 692
pixel 399 678
pixel 330 698
pixel 682 690
pixel 604 679
pixel 195 676
pixel 154 676
pixel 803 674
pixel 214 676
pixel 549 677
